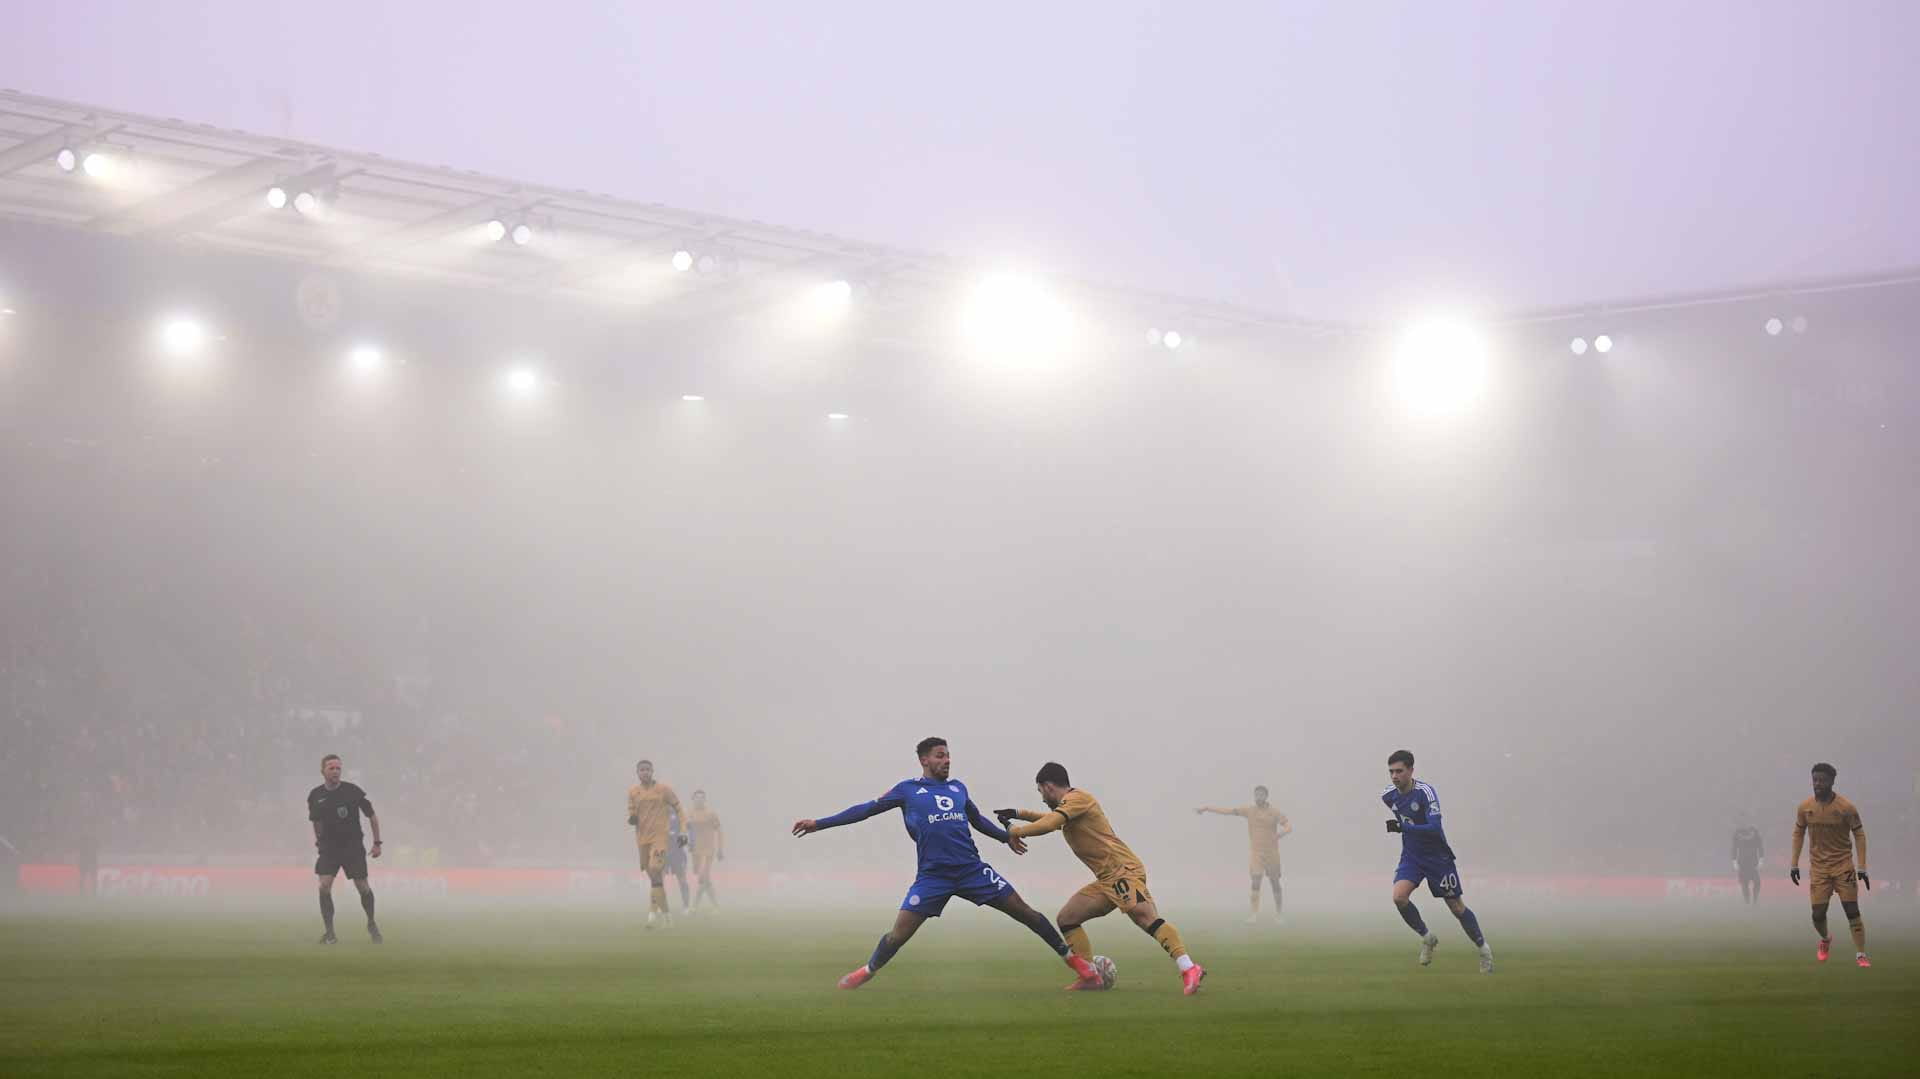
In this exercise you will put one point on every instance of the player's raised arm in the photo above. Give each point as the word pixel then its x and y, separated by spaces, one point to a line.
pixel 852 814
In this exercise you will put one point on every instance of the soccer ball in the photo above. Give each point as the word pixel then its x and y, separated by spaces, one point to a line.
pixel 1106 970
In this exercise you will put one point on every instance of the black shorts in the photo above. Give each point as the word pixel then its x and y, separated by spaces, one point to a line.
pixel 334 859
pixel 1750 872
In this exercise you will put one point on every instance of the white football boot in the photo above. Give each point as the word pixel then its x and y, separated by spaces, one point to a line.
pixel 1427 944
pixel 1486 958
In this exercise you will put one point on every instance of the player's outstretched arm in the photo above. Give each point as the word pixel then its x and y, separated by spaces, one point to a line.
pixel 1046 822
pixel 1005 815
pixel 991 830
pixel 849 815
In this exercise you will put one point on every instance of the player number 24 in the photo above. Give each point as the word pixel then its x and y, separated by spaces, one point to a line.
pixel 987 871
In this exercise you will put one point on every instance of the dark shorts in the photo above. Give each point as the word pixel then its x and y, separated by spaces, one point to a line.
pixel 1750 872
pixel 676 859
pixel 334 859
pixel 977 884
pixel 1442 876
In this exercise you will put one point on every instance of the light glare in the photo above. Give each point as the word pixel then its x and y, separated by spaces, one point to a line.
pixel 691 397
pixel 522 235
pixel 1579 346
pixel 97 165
pixel 683 261
pixel 522 381
pixel 496 230
pixel 277 197
pixel 1774 326
pixel 181 337
pixel 1603 344
pixel 1171 339
pixel 1010 315
pixel 305 202
pixel 365 360
pixel 1440 368
pixel 67 159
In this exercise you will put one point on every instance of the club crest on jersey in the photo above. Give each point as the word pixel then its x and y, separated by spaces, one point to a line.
pixel 945 803
pixel 341 812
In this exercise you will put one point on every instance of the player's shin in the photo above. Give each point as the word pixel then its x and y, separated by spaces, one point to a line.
pixel 1169 940
pixel 326 909
pixel 882 952
pixel 1253 899
pixel 1077 940
pixel 1042 928
pixel 1411 915
pixel 1472 925
pixel 1820 923
pixel 1856 926
pixel 366 904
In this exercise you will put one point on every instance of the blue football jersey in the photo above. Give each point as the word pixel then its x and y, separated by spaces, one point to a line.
pixel 940 816
pixel 1418 809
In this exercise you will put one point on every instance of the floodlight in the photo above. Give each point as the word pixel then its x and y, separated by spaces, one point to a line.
pixel 1441 367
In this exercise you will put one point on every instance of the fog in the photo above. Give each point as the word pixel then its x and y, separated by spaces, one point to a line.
pixel 1621 606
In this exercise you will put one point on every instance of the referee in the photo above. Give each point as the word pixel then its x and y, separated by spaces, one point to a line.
pixel 335 809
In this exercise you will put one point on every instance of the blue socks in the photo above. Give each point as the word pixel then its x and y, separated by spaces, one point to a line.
pixel 882 952
pixel 1472 925
pixel 1411 914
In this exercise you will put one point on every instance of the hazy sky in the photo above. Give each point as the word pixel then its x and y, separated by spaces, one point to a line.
pixel 1332 160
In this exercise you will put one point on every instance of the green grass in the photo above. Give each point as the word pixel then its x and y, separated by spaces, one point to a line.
pixel 589 994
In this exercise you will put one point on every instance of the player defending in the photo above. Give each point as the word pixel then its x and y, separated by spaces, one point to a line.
pixel 1119 880
pixel 1424 853
pixel 1266 826
pixel 649 804
pixel 1837 832
pixel 335 808
pixel 937 814
pixel 1748 858
pixel 709 846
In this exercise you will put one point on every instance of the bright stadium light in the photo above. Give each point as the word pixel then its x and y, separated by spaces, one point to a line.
pixel 67 159
pixel 522 235
pixel 707 263
pixel 1603 344
pixel 305 203
pixel 836 415
pixel 277 197
pixel 1799 324
pixel 691 397
pixel 496 230
pixel 522 381
pixel 1171 339
pixel 683 260
pixel 1774 326
pixel 182 337
pixel 97 165
pixel 1008 315
pixel 1578 345
pixel 365 361
pixel 1440 368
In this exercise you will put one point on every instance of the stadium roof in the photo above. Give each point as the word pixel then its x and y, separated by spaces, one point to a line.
pixel 200 185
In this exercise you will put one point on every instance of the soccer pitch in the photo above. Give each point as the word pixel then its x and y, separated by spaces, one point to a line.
pixel 564 994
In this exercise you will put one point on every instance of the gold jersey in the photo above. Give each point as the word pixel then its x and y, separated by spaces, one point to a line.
pixel 1834 827
pixel 1089 835
pixel 1263 827
pixel 704 826
pixel 649 806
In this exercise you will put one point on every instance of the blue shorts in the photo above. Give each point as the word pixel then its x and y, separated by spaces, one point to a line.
pixel 977 884
pixel 1442 876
